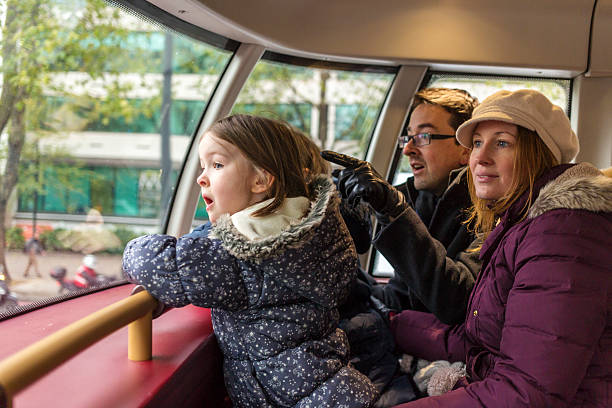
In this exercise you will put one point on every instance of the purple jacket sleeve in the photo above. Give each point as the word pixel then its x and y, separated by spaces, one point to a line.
pixel 554 318
pixel 423 335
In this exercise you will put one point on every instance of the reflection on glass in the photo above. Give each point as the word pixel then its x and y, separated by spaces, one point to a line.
pixel 99 106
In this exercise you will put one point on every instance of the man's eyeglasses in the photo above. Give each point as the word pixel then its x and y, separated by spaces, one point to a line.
pixel 420 139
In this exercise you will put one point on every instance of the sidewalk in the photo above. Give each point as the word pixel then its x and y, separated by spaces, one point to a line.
pixel 32 288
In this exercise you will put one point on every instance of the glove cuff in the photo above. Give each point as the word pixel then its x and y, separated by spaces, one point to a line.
pixel 395 207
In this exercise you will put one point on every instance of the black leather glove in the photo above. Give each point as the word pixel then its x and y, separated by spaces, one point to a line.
pixel 359 181
pixel 358 220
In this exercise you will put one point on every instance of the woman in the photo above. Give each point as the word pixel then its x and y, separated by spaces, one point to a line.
pixel 538 331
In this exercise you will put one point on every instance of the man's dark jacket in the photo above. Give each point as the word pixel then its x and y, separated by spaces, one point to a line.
pixel 434 272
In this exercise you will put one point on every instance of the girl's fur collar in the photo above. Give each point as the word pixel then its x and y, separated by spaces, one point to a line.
pixel 242 248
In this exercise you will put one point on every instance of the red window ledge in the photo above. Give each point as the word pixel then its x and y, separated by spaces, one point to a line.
pixel 186 369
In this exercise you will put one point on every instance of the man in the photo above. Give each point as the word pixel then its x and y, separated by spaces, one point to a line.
pixel 422 232
pixel 33 247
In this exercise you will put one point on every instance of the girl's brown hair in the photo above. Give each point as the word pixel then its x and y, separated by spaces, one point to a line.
pixel 532 159
pixel 277 147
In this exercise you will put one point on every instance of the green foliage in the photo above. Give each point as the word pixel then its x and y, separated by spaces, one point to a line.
pixel 14 238
pixel 280 72
pixel 41 40
pixel 125 235
pixel 50 240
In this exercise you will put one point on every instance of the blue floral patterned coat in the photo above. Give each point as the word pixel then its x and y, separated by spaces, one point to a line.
pixel 274 303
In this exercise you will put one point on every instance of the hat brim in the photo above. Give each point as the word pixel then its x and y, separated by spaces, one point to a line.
pixel 466 130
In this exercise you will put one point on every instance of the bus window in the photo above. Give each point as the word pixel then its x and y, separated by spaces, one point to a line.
pixel 558 90
pixel 106 115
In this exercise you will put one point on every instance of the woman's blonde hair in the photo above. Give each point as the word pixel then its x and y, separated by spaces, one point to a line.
pixel 531 160
pixel 277 147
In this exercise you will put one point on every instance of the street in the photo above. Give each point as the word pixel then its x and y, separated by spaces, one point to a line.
pixel 32 288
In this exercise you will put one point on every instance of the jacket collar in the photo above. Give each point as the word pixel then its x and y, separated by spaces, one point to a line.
pixel 580 187
pixel 290 212
pixel 241 247
pixel 572 186
pixel 456 177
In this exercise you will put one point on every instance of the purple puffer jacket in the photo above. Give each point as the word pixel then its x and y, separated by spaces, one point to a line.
pixel 538 332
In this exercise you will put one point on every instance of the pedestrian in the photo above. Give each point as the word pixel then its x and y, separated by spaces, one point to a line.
pixel 33 247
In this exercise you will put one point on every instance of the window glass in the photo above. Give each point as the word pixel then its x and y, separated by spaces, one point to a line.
pixel 336 107
pixel 93 90
pixel 557 90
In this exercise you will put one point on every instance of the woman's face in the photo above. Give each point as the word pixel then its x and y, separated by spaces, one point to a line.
pixel 492 158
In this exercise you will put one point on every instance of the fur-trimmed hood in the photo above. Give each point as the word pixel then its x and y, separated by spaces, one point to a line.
pixel 241 247
pixel 580 187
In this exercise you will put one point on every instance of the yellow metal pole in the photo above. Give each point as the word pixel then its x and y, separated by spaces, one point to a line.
pixel 5 401
pixel 140 338
pixel 28 365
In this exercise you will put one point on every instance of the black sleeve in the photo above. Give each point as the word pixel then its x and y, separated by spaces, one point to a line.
pixel 420 262
pixel 358 220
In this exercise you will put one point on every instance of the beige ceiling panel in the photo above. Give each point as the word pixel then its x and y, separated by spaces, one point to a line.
pixel 601 43
pixel 547 34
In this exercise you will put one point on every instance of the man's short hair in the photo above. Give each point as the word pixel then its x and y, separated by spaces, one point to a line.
pixel 458 102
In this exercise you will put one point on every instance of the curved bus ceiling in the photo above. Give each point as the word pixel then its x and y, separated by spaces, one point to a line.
pixel 522 37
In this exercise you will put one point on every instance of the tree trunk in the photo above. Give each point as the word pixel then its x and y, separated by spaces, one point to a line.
pixel 300 116
pixel 11 169
pixel 12 102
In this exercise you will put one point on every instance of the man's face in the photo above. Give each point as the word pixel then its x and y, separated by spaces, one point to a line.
pixel 432 164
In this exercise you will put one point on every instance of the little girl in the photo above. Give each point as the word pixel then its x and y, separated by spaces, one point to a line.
pixel 275 265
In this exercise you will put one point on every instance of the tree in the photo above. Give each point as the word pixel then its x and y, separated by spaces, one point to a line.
pixel 40 41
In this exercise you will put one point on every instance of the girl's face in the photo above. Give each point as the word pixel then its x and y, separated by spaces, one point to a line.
pixel 229 181
pixel 492 158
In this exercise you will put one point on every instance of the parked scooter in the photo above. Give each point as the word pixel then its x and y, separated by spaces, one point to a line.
pixel 8 301
pixel 86 276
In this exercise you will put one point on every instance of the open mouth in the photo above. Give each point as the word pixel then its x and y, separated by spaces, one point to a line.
pixel 416 167
pixel 207 200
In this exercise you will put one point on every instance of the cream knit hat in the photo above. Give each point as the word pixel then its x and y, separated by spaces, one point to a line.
pixel 529 109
